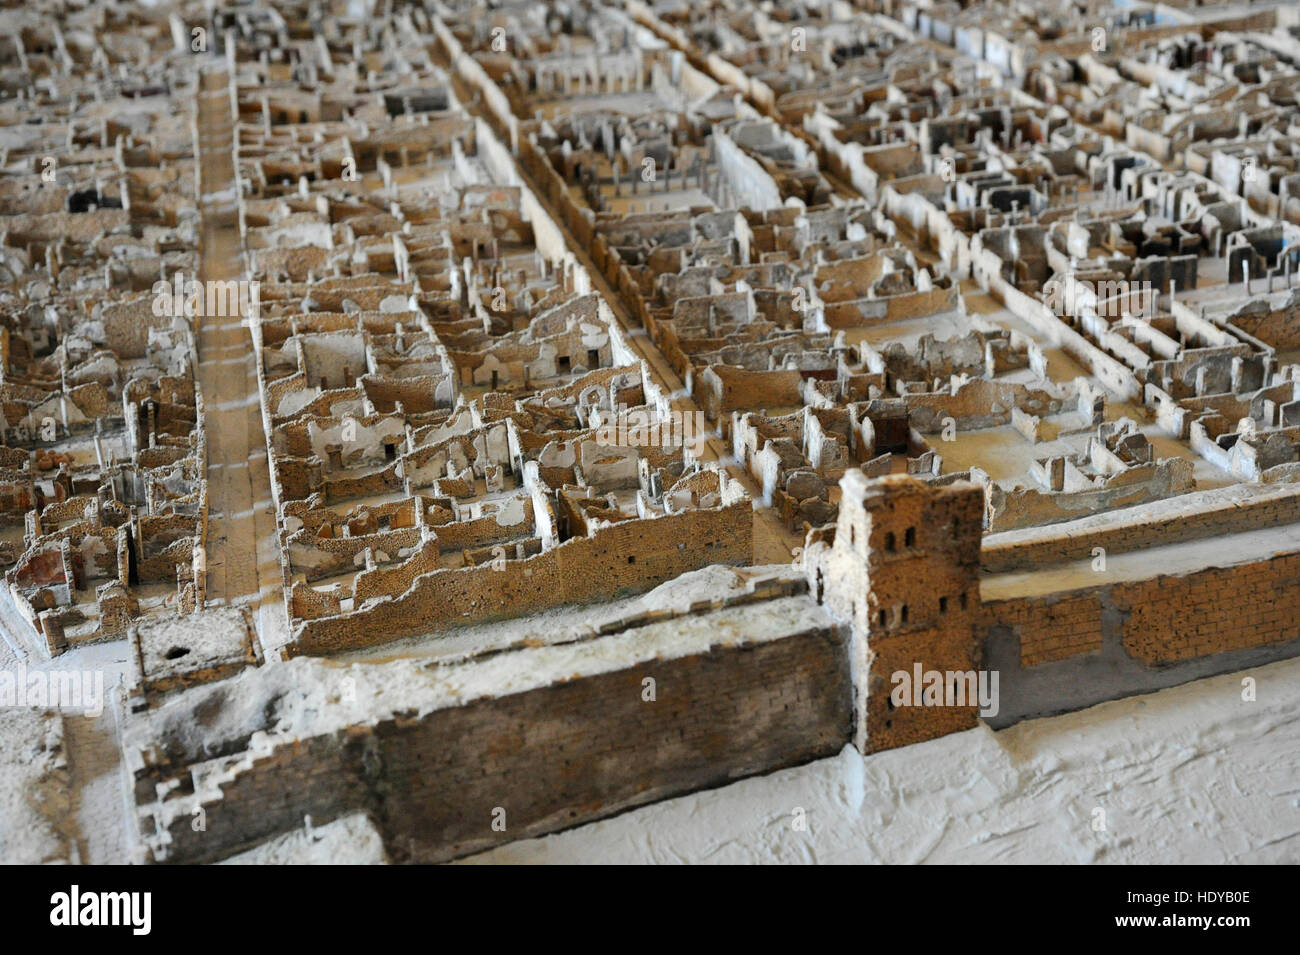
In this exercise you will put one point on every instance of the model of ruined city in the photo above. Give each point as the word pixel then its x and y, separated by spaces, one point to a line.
pixel 434 423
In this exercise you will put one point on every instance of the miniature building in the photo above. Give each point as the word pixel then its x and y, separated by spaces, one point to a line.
pixel 903 570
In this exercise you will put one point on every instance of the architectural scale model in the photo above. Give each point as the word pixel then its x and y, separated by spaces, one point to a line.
pixel 428 424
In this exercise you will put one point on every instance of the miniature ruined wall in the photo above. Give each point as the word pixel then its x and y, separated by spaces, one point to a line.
pixel 474 74
pixel 981 403
pixel 753 186
pixel 321 557
pixel 1161 620
pixel 621 559
pixel 574 740
pixel 722 389
pixel 1026 506
pixel 1065 651
pixel 1226 511
pixel 864 312
pixel 1279 328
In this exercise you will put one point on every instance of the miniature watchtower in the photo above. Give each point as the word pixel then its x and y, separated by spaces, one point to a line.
pixel 904 569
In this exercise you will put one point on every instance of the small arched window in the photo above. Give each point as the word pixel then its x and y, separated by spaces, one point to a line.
pixel 909 538
pixel 890 542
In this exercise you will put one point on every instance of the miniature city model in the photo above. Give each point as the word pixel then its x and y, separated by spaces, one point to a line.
pixel 431 424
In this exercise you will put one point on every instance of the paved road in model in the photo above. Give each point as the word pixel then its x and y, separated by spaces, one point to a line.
pixel 243 566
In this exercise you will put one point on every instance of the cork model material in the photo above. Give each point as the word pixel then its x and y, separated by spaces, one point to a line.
pixel 427 426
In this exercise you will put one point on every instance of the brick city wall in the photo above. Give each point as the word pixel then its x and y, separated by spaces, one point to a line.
pixel 622 559
pixel 1051 627
pixel 1216 513
pixel 1161 620
pixel 1171 619
pixel 581 742
pixel 551 757
pixel 1060 652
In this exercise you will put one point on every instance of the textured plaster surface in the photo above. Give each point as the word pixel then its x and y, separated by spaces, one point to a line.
pixel 1192 774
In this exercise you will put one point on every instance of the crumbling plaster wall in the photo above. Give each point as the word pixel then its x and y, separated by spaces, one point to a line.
pixel 621 559
pixel 727 701
pixel 1027 506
